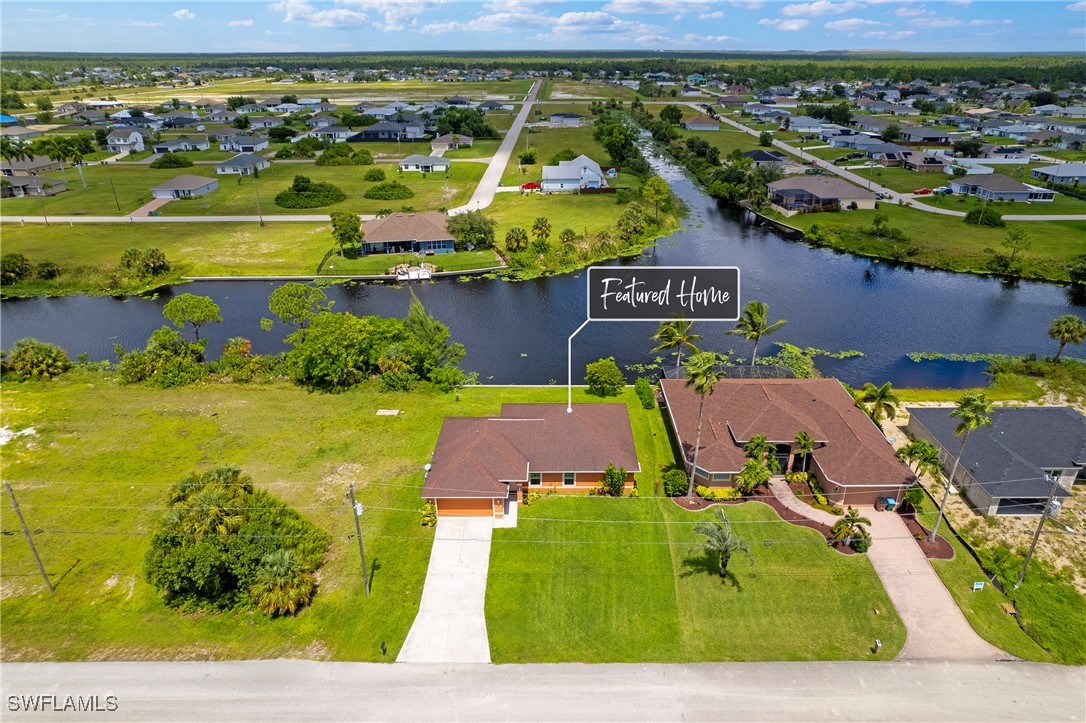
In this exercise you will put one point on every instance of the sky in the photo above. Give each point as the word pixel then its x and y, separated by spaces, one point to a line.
pixel 377 25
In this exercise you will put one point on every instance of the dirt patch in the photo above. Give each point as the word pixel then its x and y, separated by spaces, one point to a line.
pixel 940 549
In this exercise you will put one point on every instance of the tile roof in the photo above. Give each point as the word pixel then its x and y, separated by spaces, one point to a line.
pixel 1007 458
pixel 478 457
pixel 851 450
pixel 428 226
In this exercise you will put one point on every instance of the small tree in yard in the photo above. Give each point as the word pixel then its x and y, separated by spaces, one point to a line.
pixel 765 139
pixel 347 229
pixel 676 482
pixel 541 229
pixel 604 378
pixel 1067 329
pixel 473 228
pixel 614 480
pixel 720 540
pixel 850 529
pixel 516 238
pixel 33 359
pixel 192 309
pixel 657 192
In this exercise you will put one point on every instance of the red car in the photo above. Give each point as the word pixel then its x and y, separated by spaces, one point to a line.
pixel 922 192
pixel 532 186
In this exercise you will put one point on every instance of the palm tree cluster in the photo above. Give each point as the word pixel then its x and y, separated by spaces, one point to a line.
pixel 851 530
pixel 62 149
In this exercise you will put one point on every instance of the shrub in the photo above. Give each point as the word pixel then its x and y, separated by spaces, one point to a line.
pixel 800 477
pixel 171 160
pixel 614 480
pixel 643 389
pixel 14 267
pixel 167 361
pixel 861 542
pixel 532 498
pixel 429 515
pixel 528 157
pixel 33 359
pixel 374 174
pixel 985 216
pixel 389 191
pixel 718 494
pixel 447 378
pixel 46 270
pixel 676 483
pixel 305 193
pixel 340 155
pixel 604 378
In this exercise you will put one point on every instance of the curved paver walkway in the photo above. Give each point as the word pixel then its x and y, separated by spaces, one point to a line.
pixel 450 626
pixel 935 627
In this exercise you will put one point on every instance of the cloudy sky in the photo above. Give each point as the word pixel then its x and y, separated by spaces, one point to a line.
pixel 374 25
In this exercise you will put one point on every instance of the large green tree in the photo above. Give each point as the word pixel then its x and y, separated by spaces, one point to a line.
pixel 296 304
pixel 474 228
pixel 657 192
pixel 754 324
pixel 347 230
pixel 702 375
pixel 191 309
pixel 972 411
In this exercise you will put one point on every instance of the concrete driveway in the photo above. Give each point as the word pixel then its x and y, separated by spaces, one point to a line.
pixel 450 626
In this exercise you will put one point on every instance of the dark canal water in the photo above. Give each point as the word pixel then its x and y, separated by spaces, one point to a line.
pixel 516 332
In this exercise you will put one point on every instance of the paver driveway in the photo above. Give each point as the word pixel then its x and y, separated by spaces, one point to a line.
pixel 450 626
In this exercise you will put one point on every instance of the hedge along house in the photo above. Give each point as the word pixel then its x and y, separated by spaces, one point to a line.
pixel 852 459
pixel 483 464
pixel 402 233
pixel 1010 467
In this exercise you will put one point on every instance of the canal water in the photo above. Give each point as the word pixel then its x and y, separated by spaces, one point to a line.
pixel 515 332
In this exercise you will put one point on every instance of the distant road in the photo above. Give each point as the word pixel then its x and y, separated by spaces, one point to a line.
pixel 62 220
pixel 298 690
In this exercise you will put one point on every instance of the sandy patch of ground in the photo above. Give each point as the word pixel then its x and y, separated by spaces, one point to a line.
pixel 7 434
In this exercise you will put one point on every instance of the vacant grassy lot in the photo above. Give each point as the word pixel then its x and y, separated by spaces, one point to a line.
pixel 1060 205
pixel 478 149
pixel 584 214
pixel 727 139
pixel 562 89
pixel 548 142
pixel 1005 387
pixel 952 244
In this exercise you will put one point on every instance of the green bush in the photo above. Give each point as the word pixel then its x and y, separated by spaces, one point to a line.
pixel 643 389
pixel 167 361
pixel 150 262
pixel 429 515
pixel 33 359
pixel 14 267
pixel 398 381
pixel 305 193
pixel 339 154
pixel 985 216
pixel 614 480
pixel 171 160
pixel 374 174
pixel 46 270
pixel 800 477
pixel 528 157
pixel 861 542
pixel 532 498
pixel 676 483
pixel 389 191
pixel 718 494
pixel 604 378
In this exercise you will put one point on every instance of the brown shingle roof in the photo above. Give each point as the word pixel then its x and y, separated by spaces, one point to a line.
pixel 478 457
pixel 429 226
pixel 821 187
pixel 851 450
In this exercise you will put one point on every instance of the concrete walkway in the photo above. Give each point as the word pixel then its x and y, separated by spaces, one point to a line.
pixel 153 205
pixel 450 626
pixel 935 626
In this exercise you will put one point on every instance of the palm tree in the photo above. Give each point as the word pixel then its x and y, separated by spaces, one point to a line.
pixel 1067 329
pixel 280 585
pixel 850 526
pixel 720 540
pixel 56 149
pixel 76 158
pixel 676 335
pixel 923 453
pixel 755 447
pixel 541 229
pixel 12 151
pixel 804 445
pixel 772 463
pixel 754 324
pixel 972 411
pixel 882 399
pixel 516 238
pixel 212 511
pixel 702 375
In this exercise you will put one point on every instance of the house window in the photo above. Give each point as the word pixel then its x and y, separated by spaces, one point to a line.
pixel 722 477
pixel 569 479
pixel 535 479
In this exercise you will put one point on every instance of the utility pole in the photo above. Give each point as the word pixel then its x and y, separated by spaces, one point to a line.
pixel 259 215
pixel 356 508
pixel 1037 534
pixel 115 195
pixel 30 541
pixel 42 204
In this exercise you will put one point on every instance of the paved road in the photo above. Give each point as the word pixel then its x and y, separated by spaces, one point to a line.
pixel 297 690
pixel 450 626
pixel 270 218
pixel 484 192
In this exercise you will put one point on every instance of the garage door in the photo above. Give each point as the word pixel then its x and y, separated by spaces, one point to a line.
pixel 465 507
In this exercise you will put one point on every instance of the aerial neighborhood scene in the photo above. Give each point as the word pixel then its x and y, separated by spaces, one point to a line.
pixel 588 361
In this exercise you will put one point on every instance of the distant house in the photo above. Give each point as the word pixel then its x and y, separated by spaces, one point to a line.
pixel 852 460
pixel 760 157
pixel 90 116
pixel 221 116
pixel 243 143
pixel 265 121
pixel 185 186
pixel 490 105
pixel 18 133
pixel 897 109
pixel 124 140
pixel 808 193
pixel 1066 173
pixel 998 187
pixel 581 172
pixel 25 185
pixel 458 101
pixel 919 134
pixel 321 121
pixel 32 167
pixel 425 164
pixel 332 134
pixel 565 119
pixel 689 90
pixel 402 233
pixel 450 142
pixel 176 145
pixel 243 164
pixel 730 101
pixel 1011 466
pixel 922 162
pixel 1071 111
pixel 483 465
pixel 700 123
pixel 804 124
pixel 390 131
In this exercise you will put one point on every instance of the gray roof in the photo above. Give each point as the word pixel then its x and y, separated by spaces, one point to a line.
pixel 1008 458
pixel 1064 170
pixel 424 160
pixel 994 182
pixel 246 160
pixel 760 156
pixel 184 182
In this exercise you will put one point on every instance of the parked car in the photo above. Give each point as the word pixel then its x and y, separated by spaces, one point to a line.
pixel 856 155
pixel 922 192
pixel 812 172
pixel 941 190
pixel 530 186
pixel 1035 157
pixel 841 159
pixel 882 196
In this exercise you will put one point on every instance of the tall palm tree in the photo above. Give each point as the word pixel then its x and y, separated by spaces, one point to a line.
pixel 516 238
pixel 1067 329
pixel 850 526
pixel 677 334
pixel 804 445
pixel 702 375
pixel 754 324
pixel 882 399
pixel 76 158
pixel 280 585
pixel 972 412
pixel 541 229
pixel 720 540
pixel 56 149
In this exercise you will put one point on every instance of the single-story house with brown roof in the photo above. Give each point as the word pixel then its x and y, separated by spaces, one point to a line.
pixel 700 123
pixel 807 193
pixel 481 464
pixel 185 186
pixel 32 167
pixel 402 233
pixel 852 459
pixel 450 142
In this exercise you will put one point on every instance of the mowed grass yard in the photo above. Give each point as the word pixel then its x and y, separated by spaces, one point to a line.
pixel 548 142
pixel 588 214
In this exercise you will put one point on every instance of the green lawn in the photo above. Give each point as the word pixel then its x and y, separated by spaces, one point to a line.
pixel 727 139
pixel 548 142
pixel 502 120
pixel 136 156
pixel 900 179
pixel 1060 205
pixel 391 149
pixel 478 149
pixel 1005 387
pixel 952 244
pixel 237 198
pixel 590 214
pixel 1062 154
pixel 563 89
pixel 616 580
